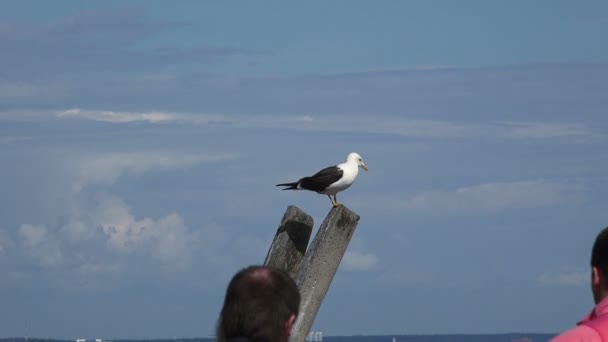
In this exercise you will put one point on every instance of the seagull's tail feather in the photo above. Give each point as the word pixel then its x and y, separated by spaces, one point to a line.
pixel 290 186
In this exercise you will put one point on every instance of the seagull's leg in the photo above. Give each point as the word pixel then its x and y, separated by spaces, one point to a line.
pixel 332 200
pixel 335 201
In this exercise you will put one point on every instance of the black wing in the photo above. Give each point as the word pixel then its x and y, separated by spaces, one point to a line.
pixel 322 179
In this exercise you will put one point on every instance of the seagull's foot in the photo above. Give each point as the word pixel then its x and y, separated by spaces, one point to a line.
pixel 335 205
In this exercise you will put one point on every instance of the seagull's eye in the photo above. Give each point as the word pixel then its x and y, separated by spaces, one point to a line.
pixel 359 159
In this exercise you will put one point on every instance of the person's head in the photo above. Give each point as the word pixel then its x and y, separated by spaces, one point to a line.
pixel 261 305
pixel 599 266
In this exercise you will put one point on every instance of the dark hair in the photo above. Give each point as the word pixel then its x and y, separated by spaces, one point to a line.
pixel 599 253
pixel 259 301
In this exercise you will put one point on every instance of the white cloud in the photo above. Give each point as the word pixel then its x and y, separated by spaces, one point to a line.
pixel 77 230
pixel 32 235
pixel 38 244
pixel 437 129
pixel 359 261
pixel 566 278
pixel 106 169
pixel 116 117
pixel 373 123
pixel 166 238
pixel 99 231
pixel 489 197
pixel 547 129
pixel 108 228
pixel 385 125
pixel 127 117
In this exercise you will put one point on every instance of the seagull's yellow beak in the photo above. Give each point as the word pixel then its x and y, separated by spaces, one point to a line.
pixel 364 166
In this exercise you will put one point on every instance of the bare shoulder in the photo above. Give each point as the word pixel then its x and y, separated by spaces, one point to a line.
pixel 580 333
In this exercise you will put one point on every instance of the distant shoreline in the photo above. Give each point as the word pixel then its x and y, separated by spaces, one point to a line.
pixel 501 337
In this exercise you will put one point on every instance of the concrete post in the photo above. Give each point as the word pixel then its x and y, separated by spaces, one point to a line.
pixel 290 242
pixel 320 264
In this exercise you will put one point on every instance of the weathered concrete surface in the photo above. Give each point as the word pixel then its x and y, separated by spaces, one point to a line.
pixel 320 264
pixel 290 242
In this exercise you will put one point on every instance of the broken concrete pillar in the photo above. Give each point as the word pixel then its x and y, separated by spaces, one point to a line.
pixel 290 241
pixel 320 264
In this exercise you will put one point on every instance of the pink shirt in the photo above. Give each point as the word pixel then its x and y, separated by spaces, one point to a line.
pixel 583 333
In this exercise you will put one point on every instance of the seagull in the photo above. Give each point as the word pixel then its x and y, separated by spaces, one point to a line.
pixel 331 180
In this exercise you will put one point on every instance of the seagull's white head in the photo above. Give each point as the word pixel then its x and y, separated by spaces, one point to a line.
pixel 356 158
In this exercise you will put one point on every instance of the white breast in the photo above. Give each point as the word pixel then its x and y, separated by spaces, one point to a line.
pixel 350 171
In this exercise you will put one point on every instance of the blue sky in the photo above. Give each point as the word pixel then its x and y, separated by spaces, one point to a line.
pixel 140 143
